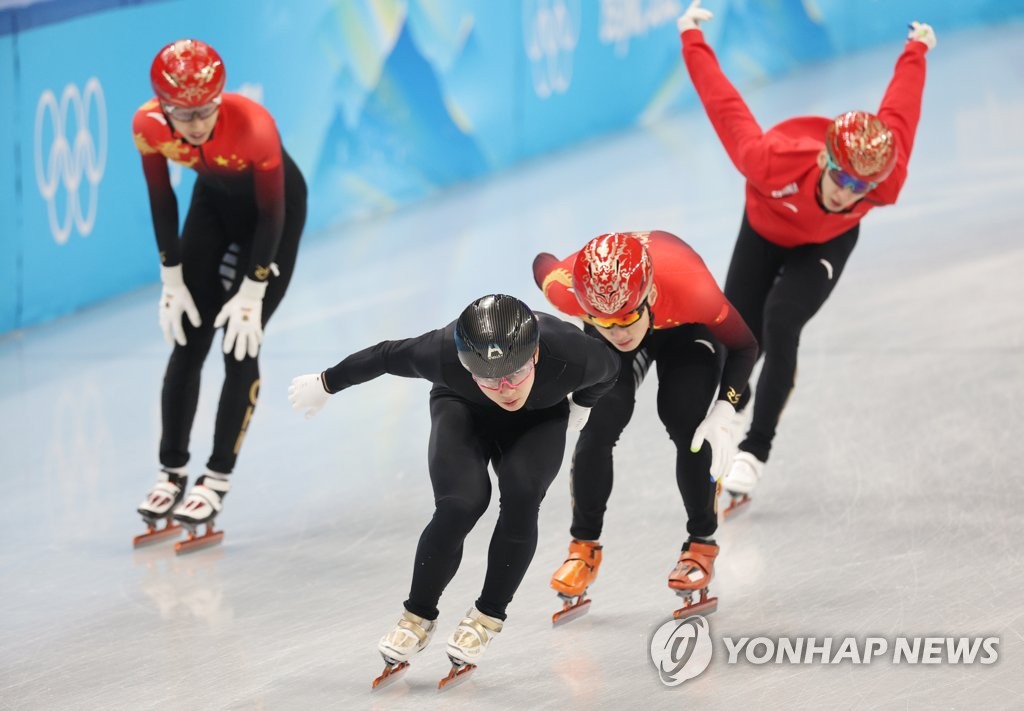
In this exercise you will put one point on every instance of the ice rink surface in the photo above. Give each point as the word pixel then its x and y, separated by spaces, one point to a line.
pixel 892 506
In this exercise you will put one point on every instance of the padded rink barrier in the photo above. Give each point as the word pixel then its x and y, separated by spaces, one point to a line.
pixel 381 102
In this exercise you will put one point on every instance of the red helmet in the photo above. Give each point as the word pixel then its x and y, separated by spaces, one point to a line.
pixel 861 145
pixel 187 73
pixel 612 275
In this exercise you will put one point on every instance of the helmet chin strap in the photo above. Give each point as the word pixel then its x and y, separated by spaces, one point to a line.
pixel 650 317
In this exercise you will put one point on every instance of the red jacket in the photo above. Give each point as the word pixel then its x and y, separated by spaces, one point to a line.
pixel 780 165
pixel 684 292
pixel 244 153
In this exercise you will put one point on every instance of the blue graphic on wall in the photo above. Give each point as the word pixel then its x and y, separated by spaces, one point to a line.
pixel 381 102
pixel 401 145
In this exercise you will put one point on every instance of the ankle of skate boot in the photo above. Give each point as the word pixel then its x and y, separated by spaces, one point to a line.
pixel 481 621
pixel 177 481
pixel 216 484
pixel 174 472
pixel 419 626
pixel 584 551
pixel 698 540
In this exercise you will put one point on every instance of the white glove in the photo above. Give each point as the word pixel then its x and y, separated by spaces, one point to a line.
pixel 578 415
pixel 243 313
pixel 920 32
pixel 694 15
pixel 308 392
pixel 176 300
pixel 716 430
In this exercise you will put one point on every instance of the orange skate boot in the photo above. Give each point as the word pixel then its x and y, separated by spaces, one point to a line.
pixel 571 580
pixel 691 576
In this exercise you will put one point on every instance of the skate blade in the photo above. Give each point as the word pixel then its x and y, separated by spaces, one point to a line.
pixel 736 505
pixel 705 606
pixel 570 612
pixel 195 543
pixel 459 673
pixel 390 674
pixel 155 535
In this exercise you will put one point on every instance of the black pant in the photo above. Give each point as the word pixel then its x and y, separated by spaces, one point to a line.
pixel 526 449
pixel 689 364
pixel 215 246
pixel 777 290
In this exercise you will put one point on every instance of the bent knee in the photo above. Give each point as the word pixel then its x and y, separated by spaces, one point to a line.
pixel 786 316
pixel 460 510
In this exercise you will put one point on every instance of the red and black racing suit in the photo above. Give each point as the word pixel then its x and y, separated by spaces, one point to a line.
pixel 699 343
pixel 790 251
pixel 247 212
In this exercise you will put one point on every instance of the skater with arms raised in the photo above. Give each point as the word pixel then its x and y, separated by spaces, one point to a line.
pixel 810 181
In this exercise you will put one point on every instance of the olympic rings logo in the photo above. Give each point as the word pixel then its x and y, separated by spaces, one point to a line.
pixel 552 31
pixel 73 154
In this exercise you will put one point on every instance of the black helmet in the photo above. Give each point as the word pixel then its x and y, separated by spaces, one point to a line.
pixel 496 335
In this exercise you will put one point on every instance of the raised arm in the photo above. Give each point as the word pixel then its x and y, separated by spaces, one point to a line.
pixel 900 109
pixel 738 130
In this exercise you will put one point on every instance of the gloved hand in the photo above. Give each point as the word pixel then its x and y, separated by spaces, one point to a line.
pixel 694 15
pixel 920 32
pixel 716 430
pixel 243 314
pixel 308 392
pixel 578 415
pixel 176 300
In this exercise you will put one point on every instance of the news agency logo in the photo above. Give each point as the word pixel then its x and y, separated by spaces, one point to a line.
pixel 682 649
pixel 71 149
pixel 829 650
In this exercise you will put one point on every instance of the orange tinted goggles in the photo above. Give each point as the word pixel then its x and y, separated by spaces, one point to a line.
pixel 625 320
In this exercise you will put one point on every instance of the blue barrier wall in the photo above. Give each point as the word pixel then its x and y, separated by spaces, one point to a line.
pixel 10 198
pixel 381 102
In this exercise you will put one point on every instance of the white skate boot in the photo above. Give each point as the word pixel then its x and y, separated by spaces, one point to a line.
pixel 740 480
pixel 203 503
pixel 409 637
pixel 161 499
pixel 468 643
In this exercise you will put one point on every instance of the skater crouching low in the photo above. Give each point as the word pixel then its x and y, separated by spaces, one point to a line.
pixel 506 383
pixel 649 298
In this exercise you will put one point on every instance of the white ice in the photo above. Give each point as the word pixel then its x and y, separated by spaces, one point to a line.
pixel 891 506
